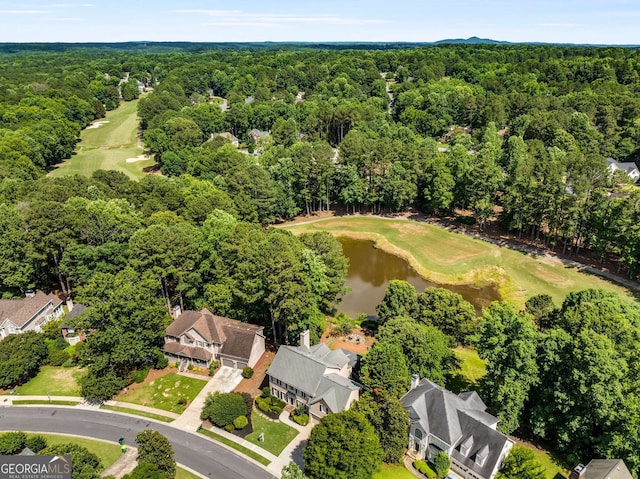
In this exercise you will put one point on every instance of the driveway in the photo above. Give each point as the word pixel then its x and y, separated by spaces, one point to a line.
pixel 225 380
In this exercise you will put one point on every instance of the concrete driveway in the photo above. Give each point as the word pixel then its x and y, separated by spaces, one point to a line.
pixel 225 380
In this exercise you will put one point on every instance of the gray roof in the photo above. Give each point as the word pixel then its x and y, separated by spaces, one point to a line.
pixel 312 371
pixel 21 311
pixel 607 469
pixel 335 391
pixel 77 310
pixel 457 420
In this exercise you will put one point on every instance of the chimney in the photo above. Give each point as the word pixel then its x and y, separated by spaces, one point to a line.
pixel 415 380
pixel 176 311
pixel 69 304
pixel 305 338
pixel 29 293
pixel 578 472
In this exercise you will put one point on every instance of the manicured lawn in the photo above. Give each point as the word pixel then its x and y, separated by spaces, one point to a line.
pixel 53 381
pixel 108 146
pixel 451 258
pixel 393 471
pixel 136 412
pixel 44 401
pixel 277 435
pixel 551 467
pixel 164 392
pixel 234 445
pixel 107 452
pixel 184 474
pixel 472 369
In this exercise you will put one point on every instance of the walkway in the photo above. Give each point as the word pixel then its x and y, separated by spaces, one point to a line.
pixel 225 380
pixel 124 465
pixel 293 451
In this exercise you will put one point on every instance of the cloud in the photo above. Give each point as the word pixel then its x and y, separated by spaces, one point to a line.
pixel 23 12
pixel 240 18
pixel 62 19
pixel 69 5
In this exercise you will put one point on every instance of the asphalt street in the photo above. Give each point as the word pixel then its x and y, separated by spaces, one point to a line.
pixel 195 452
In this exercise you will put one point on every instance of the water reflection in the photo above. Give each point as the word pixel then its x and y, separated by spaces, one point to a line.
pixel 371 269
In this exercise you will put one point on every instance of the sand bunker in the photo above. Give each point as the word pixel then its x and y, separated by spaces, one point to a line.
pixel 137 158
pixel 97 124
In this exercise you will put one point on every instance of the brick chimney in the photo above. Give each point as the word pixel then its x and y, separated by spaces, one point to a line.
pixel 578 472
pixel 415 380
pixel 305 338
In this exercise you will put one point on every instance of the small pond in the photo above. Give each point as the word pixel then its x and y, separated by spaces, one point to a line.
pixel 371 269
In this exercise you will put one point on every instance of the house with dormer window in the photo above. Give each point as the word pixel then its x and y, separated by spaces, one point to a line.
pixel 457 424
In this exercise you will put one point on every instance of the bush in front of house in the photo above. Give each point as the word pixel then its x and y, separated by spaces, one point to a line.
pixel 247 372
pixel 301 419
pixel 270 404
pixel 12 442
pixel 36 443
pixel 140 375
pixel 223 408
pixel 442 464
pixel 423 467
pixel 240 422
pixel 213 367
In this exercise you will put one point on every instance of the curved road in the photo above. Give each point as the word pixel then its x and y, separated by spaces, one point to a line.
pixel 198 453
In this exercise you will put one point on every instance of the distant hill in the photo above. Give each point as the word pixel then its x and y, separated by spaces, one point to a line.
pixel 472 41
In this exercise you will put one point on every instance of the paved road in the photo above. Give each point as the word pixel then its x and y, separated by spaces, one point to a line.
pixel 198 453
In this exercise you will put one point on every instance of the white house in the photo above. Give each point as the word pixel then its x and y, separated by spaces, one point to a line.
pixel 629 168
pixel 457 425
pixel 28 314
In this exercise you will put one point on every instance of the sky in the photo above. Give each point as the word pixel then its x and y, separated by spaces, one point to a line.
pixel 554 21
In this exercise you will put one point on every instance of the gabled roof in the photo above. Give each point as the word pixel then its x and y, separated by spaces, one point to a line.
pixel 305 368
pixel 240 339
pixel 77 310
pixel 607 469
pixel 187 351
pixel 457 420
pixel 21 311
pixel 335 391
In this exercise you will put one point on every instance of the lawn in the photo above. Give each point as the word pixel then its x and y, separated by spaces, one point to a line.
pixel 393 471
pixel 164 392
pixel 451 258
pixel 107 452
pixel 184 474
pixel 472 369
pixel 234 445
pixel 17 402
pixel 551 468
pixel 53 381
pixel 135 412
pixel 108 146
pixel 277 435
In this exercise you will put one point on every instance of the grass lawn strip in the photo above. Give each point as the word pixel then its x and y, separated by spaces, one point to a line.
pixel 164 392
pixel 108 146
pixel 136 412
pixel 277 435
pixel 184 474
pixel 18 402
pixel 107 452
pixel 452 258
pixel 393 471
pixel 53 381
pixel 234 445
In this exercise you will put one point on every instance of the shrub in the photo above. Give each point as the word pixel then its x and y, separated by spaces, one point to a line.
pixel 270 404
pixel 465 220
pixel 36 443
pixel 58 357
pixel 181 401
pixel 240 422
pixel 141 375
pixel 423 467
pixel 190 367
pixel 212 367
pixel 266 392
pixel 222 408
pixel 12 442
pixel 441 463
pixel 247 372
pixel 344 324
pixel 229 427
pixel 161 361
pixel 301 419
pixel 69 363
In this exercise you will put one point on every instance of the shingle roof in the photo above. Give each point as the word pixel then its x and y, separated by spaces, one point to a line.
pixel 335 391
pixel 607 469
pixel 240 339
pixel 457 419
pixel 21 311
pixel 187 351
pixel 77 310
pixel 304 368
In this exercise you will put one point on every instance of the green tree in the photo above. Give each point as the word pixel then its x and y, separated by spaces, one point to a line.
pixel 442 463
pixel 85 464
pixel 156 450
pixel 146 471
pixel 342 446
pixel 20 357
pixel 508 341
pixel 223 408
pixel 384 369
pixel 400 299
pixel 292 471
pixel 447 311
pixel 520 464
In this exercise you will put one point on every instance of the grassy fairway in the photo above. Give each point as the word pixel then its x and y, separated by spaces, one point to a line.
pixel 450 258
pixel 108 146
pixel 276 434
pixel 53 381
pixel 164 393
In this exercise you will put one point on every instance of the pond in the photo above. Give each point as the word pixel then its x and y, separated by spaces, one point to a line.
pixel 371 269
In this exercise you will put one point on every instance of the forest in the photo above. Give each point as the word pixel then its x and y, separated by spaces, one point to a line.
pixel 517 132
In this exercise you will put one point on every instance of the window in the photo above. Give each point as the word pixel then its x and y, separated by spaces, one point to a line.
pixel 323 408
pixel 418 434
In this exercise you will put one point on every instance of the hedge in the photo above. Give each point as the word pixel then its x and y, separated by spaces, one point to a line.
pixel 424 468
